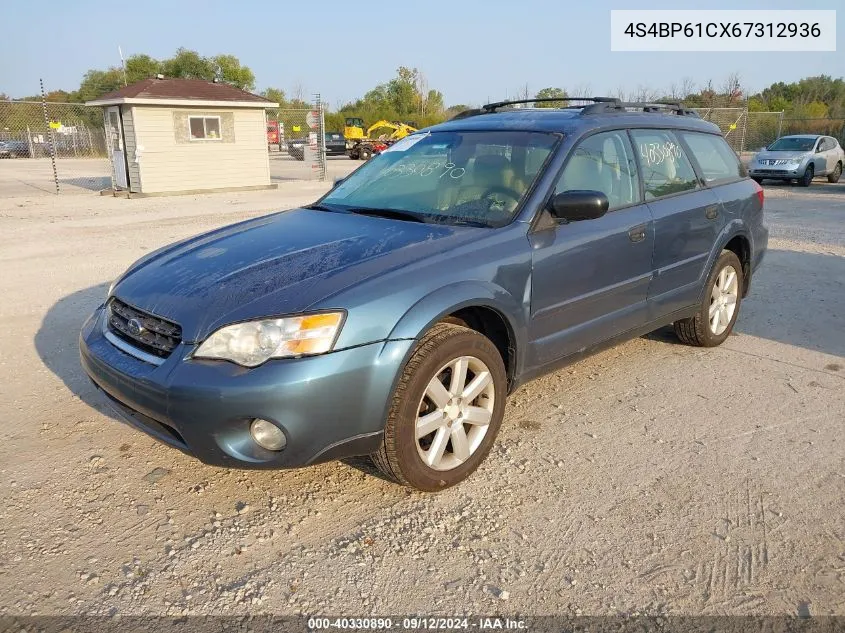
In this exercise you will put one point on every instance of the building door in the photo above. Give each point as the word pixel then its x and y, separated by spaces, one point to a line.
pixel 116 146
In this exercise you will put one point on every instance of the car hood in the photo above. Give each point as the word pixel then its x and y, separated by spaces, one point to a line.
pixel 766 155
pixel 275 265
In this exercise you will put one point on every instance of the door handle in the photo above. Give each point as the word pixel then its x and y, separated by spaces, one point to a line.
pixel 711 212
pixel 637 234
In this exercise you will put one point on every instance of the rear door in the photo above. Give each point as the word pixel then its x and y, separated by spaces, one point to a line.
pixel 590 278
pixel 687 219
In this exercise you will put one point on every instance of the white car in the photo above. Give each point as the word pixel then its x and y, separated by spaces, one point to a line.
pixel 800 157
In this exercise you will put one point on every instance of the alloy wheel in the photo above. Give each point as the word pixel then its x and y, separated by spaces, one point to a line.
pixel 454 413
pixel 723 300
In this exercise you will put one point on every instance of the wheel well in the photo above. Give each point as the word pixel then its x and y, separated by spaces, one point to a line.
pixel 740 247
pixel 493 325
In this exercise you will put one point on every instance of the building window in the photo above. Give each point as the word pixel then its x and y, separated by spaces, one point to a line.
pixel 204 128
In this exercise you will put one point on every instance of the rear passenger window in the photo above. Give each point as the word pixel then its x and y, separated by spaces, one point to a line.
pixel 665 167
pixel 717 160
pixel 604 162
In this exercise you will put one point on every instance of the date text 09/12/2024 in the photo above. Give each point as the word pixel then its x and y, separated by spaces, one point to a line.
pixel 417 623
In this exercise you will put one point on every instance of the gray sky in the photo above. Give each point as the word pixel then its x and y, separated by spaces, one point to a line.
pixel 468 49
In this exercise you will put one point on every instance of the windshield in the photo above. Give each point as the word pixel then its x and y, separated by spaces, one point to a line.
pixel 477 178
pixel 792 144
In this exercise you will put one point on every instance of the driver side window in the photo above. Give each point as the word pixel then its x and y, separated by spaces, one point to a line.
pixel 603 162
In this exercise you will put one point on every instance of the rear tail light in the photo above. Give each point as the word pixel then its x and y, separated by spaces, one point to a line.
pixel 759 191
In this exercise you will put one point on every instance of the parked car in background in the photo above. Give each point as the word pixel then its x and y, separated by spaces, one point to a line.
pixel 5 150
pixel 799 157
pixel 23 149
pixel 335 146
pixel 393 316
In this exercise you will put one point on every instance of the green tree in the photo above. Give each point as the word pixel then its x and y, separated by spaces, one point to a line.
pixel 275 94
pixel 96 83
pixel 140 67
pixel 228 68
pixel 187 64
pixel 550 93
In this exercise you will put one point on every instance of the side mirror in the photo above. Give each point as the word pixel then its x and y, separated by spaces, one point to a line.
pixel 579 205
pixel 337 181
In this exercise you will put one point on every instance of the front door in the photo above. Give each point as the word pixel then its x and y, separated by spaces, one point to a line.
pixel 590 278
pixel 116 146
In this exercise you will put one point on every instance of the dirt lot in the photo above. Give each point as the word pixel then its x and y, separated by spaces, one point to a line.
pixel 31 177
pixel 651 478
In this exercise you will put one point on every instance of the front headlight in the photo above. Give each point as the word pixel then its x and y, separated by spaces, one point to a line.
pixel 255 342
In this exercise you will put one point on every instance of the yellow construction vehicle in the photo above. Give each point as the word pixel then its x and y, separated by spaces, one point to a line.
pixel 363 146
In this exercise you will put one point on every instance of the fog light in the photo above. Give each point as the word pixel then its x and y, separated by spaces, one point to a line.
pixel 267 435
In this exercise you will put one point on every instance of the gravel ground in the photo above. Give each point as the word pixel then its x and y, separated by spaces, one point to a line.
pixel 651 478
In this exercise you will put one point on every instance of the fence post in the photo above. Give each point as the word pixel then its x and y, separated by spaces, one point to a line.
pixel 321 136
pixel 780 123
pixel 29 142
pixel 51 136
pixel 744 130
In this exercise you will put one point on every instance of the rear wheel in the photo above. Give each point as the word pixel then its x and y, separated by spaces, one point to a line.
pixel 835 174
pixel 446 410
pixel 715 319
pixel 808 176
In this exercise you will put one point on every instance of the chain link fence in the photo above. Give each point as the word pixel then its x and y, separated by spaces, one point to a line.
pixel 52 148
pixel 49 148
pixel 747 132
pixel 300 146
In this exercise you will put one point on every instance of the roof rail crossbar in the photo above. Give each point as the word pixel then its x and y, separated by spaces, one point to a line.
pixel 642 106
pixel 492 107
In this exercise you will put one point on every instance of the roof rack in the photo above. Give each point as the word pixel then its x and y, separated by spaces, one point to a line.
pixel 597 105
pixel 492 107
pixel 642 106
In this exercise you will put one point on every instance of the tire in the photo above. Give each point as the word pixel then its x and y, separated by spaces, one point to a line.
pixel 365 153
pixel 407 459
pixel 757 180
pixel 835 174
pixel 807 178
pixel 699 330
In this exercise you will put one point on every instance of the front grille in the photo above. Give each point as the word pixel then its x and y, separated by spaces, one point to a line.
pixel 145 331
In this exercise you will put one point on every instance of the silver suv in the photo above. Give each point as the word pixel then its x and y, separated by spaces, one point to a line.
pixel 800 157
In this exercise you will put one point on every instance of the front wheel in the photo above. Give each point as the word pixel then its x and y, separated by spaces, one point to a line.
pixel 835 174
pixel 365 153
pixel 715 319
pixel 446 410
pixel 808 176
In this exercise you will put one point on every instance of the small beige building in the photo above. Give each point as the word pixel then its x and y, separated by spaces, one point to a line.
pixel 172 136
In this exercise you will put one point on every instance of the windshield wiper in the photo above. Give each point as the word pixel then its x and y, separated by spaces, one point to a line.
pixel 321 207
pixel 477 223
pixel 388 213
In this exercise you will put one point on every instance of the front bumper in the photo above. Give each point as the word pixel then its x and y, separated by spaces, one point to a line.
pixel 329 406
pixel 777 172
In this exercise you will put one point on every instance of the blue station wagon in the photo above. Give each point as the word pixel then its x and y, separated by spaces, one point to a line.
pixel 393 317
